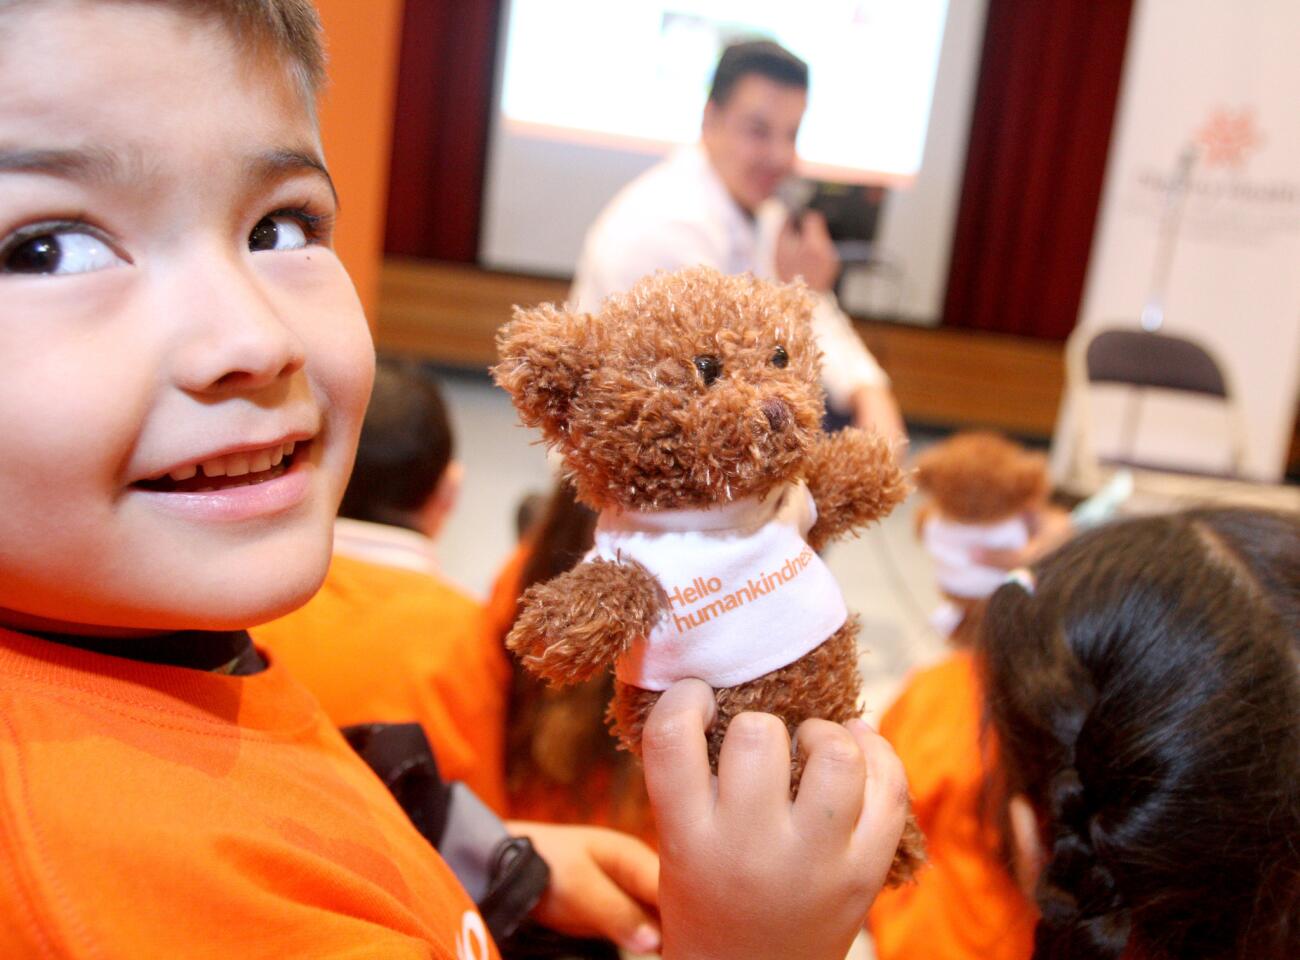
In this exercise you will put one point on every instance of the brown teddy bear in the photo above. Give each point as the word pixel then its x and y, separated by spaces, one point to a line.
pixel 986 495
pixel 688 412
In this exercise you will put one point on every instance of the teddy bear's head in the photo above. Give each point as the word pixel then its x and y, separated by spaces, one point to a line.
pixel 981 477
pixel 691 389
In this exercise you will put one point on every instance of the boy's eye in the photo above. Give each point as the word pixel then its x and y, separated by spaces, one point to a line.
pixel 277 232
pixel 59 252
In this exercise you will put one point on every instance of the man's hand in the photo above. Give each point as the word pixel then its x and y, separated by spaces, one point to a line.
pixel 747 873
pixel 875 409
pixel 603 883
pixel 804 249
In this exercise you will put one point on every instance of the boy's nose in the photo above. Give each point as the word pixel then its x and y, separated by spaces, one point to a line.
pixel 240 341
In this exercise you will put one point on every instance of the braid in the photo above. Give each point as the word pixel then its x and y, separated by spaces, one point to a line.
pixel 1083 914
pixel 1144 700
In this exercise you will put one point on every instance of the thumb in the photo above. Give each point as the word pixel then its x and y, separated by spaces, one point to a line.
pixel 611 913
pixel 814 225
pixel 629 863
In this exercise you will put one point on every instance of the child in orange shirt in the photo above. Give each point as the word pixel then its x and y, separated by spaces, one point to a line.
pixel 388 639
pixel 984 495
pixel 183 365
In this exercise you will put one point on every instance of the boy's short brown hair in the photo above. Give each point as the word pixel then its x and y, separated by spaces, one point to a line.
pixel 290 27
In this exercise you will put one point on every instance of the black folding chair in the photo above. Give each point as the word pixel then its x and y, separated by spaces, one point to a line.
pixel 1142 362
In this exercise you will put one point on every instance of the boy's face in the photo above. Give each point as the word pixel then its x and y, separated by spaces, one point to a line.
pixel 172 320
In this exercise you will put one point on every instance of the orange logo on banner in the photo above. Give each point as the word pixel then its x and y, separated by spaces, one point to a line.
pixel 1228 136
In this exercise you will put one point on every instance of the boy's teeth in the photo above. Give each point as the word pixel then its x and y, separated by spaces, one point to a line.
pixel 239 464
pixel 288 447
pixel 236 464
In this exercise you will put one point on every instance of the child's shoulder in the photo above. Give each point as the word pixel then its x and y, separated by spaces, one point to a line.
pixel 128 786
pixel 368 582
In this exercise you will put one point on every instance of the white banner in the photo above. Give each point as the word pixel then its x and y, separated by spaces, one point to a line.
pixel 1200 218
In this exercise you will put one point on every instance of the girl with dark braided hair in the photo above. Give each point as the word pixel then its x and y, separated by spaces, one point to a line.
pixel 1143 689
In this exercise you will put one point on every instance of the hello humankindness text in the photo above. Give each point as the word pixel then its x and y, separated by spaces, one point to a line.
pixel 702 588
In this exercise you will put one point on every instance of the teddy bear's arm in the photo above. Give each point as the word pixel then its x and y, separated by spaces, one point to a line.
pixel 576 625
pixel 854 479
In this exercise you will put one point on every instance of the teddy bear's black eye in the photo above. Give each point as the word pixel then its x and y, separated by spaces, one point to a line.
pixel 709 367
pixel 780 359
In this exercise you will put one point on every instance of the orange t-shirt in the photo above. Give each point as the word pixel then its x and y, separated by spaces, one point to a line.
pixel 156 811
pixel 379 644
pixel 965 904
pixel 503 601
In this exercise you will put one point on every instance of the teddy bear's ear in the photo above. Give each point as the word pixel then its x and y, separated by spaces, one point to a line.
pixel 544 362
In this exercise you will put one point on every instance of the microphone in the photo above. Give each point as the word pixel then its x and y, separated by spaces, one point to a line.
pixel 1153 313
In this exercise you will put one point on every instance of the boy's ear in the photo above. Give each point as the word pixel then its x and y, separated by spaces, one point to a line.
pixel 545 360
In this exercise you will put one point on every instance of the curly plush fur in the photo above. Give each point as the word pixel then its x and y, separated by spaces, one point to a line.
pixel 692 390
pixel 981 477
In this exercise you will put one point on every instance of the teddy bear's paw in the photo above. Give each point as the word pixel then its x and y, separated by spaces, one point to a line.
pixel 577 625
pixel 855 480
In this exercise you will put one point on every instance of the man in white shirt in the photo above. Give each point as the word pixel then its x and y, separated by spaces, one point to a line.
pixel 714 203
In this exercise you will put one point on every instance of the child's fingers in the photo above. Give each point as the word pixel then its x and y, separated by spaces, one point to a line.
pixel 675 755
pixel 999 557
pixel 754 769
pixel 885 803
pixel 603 909
pixel 621 919
pixel 632 865
pixel 834 779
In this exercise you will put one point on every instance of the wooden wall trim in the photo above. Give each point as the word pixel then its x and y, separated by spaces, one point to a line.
pixel 942 376
pixel 952 378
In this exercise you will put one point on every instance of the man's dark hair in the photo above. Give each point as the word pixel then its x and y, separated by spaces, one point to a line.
pixel 761 57
pixel 405 447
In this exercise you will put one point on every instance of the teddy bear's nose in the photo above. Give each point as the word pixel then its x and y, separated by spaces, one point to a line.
pixel 777 413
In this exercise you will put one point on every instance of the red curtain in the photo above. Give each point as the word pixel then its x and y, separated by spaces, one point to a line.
pixel 443 104
pixel 1040 130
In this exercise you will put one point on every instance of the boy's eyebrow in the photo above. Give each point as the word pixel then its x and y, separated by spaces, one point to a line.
pixel 80 164
pixel 274 164
pixel 100 165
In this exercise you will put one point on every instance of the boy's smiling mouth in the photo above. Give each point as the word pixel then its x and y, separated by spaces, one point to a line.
pixel 245 468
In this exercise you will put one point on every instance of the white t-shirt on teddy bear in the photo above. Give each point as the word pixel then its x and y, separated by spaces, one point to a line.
pixel 746 593
pixel 954 546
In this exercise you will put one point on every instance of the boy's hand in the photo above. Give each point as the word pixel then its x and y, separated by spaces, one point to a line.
pixel 603 883
pixel 746 872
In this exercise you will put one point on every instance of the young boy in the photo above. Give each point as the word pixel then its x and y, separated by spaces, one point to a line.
pixel 183 366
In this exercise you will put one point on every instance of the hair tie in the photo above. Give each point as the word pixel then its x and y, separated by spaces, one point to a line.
pixel 1022 577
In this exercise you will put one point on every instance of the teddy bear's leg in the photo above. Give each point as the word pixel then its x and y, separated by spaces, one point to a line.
pixel 627 714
